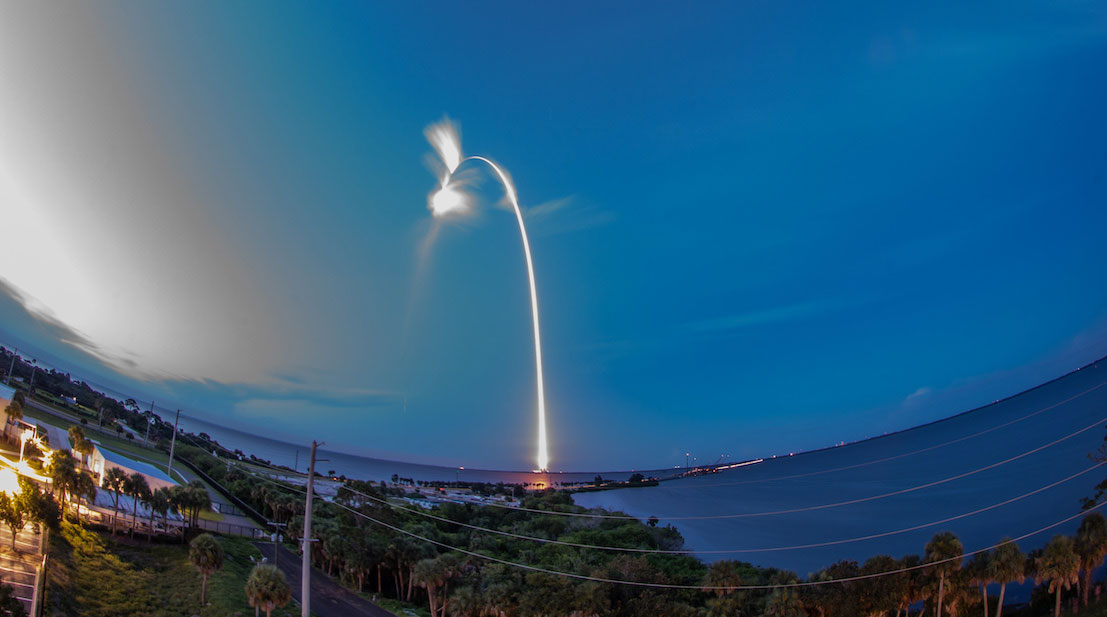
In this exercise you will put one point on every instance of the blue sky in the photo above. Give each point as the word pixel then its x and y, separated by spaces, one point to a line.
pixel 757 227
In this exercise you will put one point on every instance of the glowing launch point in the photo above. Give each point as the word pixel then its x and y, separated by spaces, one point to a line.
pixel 451 199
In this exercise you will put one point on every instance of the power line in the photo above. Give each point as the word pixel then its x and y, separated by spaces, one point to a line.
pixel 598 579
pixel 669 485
pixel 810 508
pixel 735 550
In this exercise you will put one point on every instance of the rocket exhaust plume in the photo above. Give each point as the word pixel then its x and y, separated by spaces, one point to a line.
pixel 451 199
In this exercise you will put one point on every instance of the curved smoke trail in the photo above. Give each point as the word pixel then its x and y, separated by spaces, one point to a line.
pixel 450 199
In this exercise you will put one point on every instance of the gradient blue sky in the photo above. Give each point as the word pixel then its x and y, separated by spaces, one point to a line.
pixel 758 227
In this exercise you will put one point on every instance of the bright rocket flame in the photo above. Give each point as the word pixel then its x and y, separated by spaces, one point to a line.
pixel 451 198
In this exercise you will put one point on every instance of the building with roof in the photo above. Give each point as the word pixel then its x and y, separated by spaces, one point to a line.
pixel 103 459
pixel 6 394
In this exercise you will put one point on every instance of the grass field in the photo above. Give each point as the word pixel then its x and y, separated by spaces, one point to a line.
pixel 94 575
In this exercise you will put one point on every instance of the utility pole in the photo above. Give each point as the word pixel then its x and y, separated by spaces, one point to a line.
pixel 305 579
pixel 276 537
pixel 173 444
pixel 149 419
pixel 12 367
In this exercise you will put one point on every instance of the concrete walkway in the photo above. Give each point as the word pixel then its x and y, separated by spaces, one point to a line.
pixel 328 598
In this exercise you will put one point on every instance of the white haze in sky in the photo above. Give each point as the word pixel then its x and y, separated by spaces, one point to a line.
pixel 113 241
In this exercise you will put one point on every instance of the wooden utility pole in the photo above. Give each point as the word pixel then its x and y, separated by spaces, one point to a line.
pixel 305 579
pixel 173 445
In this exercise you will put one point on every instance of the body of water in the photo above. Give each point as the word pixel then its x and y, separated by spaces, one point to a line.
pixel 1037 441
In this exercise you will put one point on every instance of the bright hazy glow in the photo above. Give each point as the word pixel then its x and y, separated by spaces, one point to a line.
pixel 9 482
pixel 450 198
pixel 121 252
pixel 447 200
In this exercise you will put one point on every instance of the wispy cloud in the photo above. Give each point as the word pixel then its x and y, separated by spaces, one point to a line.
pixel 917 397
pixel 285 408
pixel 119 361
pixel 770 315
pixel 564 215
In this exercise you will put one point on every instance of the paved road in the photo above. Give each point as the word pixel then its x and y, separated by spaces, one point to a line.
pixel 328 598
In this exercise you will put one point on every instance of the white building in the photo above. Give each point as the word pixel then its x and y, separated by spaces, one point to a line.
pixel 103 459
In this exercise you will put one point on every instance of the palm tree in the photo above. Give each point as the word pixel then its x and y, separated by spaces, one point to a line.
pixel 1091 546
pixel 909 583
pixel 430 575
pixel 63 474
pixel 114 480
pixel 206 554
pixel 266 588
pixel 85 487
pixel 159 504
pixel 434 574
pixel 944 550
pixel 783 602
pixel 76 435
pixel 721 575
pixel 1060 565
pixel 138 489
pixel 1008 565
pixel 880 594
pixel 980 573
pixel 81 445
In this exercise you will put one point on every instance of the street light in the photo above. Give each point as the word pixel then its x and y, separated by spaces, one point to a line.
pixel 24 437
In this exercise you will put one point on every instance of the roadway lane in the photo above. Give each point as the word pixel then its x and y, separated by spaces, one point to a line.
pixel 328 598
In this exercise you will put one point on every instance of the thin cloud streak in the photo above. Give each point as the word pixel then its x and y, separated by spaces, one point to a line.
pixel 566 215
pixel 759 318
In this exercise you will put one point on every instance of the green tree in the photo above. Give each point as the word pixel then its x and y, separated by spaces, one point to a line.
pixel 76 435
pixel 783 602
pixel 14 411
pixel 205 553
pixel 11 512
pixel 115 479
pixel 721 577
pixel 63 474
pixel 980 573
pixel 1091 546
pixel 39 506
pixel 81 445
pixel 1008 565
pixel 1060 565
pixel 880 594
pixel 190 499
pixel 266 588
pixel 908 583
pixel 138 490
pixel 944 551
pixel 159 504
pixel 84 487
pixel 85 448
